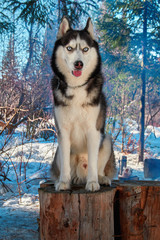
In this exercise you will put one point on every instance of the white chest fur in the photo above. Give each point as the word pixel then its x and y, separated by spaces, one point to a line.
pixel 78 118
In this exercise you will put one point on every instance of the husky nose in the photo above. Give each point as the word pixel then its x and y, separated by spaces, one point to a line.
pixel 78 64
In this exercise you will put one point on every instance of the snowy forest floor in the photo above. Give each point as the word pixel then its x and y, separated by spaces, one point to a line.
pixel 27 165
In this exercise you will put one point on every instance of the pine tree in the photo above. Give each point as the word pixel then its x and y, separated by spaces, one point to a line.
pixel 133 26
pixel 74 10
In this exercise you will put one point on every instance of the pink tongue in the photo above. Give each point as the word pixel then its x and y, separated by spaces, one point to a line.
pixel 77 73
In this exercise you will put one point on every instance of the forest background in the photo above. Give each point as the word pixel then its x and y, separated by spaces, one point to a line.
pixel 129 36
pixel 128 32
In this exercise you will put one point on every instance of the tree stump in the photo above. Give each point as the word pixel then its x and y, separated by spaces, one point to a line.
pixel 137 209
pixel 76 214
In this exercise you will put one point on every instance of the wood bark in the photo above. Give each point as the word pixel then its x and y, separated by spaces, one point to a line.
pixel 76 214
pixel 138 211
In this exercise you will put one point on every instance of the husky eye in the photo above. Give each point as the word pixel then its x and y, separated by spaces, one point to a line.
pixel 85 49
pixel 69 48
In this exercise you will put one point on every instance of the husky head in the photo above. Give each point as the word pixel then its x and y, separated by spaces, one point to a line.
pixel 76 55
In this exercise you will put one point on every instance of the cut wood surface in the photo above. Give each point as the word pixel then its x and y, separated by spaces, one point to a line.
pixel 126 211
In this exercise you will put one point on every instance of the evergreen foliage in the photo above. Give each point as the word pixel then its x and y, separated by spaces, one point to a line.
pixel 31 11
pixel 121 25
pixel 131 32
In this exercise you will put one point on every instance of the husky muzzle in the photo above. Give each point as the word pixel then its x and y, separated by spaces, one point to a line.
pixel 78 65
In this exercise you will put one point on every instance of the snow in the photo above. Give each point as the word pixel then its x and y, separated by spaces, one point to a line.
pixel 19 215
pixel 28 163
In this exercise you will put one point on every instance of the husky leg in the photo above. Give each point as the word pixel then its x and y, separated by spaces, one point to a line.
pixel 55 168
pixel 73 162
pixel 65 175
pixel 106 162
pixel 93 142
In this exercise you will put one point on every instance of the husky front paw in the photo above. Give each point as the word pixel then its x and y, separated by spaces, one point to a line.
pixel 61 186
pixel 104 180
pixel 92 186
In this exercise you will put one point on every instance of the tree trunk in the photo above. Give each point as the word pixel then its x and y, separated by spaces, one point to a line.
pixel 122 122
pixel 76 214
pixel 143 77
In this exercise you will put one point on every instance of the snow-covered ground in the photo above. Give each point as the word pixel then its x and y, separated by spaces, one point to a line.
pixel 27 163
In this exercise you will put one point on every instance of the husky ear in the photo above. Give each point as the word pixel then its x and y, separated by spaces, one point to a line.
pixel 64 27
pixel 89 28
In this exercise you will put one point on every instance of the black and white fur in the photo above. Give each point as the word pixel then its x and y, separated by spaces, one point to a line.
pixel 84 153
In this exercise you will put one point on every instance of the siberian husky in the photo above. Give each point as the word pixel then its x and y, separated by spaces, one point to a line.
pixel 84 154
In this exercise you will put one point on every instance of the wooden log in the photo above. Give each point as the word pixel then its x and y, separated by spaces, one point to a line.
pixel 137 208
pixel 76 214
